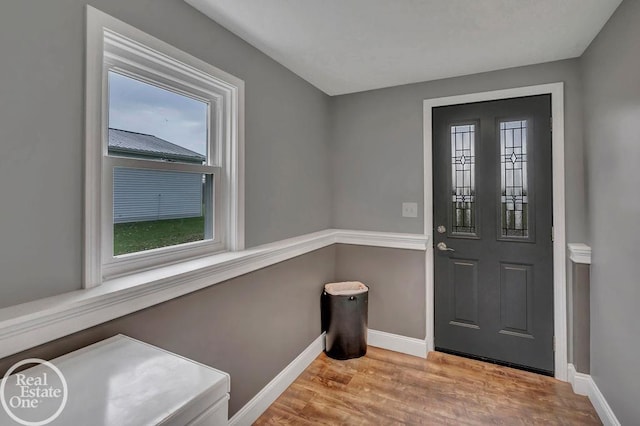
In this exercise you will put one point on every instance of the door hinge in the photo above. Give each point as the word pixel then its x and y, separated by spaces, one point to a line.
pixel 552 234
pixel 554 343
pixel 551 124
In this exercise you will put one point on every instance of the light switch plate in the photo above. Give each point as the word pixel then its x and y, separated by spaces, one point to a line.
pixel 409 209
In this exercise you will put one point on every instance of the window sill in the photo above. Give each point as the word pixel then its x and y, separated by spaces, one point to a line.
pixel 33 323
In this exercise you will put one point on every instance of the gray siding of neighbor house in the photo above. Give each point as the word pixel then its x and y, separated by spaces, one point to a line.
pixel 142 195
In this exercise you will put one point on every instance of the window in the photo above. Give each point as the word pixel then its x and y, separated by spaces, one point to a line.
pixel 463 180
pixel 514 184
pixel 163 154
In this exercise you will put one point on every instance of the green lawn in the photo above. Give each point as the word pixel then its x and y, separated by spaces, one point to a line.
pixel 140 236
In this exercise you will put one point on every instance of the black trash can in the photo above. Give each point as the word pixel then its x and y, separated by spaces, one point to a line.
pixel 344 319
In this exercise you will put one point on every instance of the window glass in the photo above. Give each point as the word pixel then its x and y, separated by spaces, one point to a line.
pixel 148 122
pixel 157 208
pixel 514 186
pixel 463 184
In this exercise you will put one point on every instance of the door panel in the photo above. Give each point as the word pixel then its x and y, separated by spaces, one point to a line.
pixel 516 300
pixel 493 211
pixel 464 282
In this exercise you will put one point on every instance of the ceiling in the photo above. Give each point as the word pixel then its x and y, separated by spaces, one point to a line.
pixel 345 46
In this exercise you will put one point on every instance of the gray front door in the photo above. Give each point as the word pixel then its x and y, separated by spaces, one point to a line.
pixel 493 223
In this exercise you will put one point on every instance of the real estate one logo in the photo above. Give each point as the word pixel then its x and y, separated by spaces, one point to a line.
pixel 36 396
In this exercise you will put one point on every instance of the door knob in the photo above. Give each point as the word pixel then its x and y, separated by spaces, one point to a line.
pixel 443 247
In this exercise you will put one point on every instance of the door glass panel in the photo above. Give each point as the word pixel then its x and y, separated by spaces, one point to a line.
pixel 463 185
pixel 514 187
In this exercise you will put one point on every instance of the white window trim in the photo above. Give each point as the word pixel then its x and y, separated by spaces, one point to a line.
pixel 188 72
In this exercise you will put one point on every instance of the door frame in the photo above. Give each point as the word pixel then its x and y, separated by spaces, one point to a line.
pixel 556 90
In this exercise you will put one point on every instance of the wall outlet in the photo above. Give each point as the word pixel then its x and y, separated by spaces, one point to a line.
pixel 409 209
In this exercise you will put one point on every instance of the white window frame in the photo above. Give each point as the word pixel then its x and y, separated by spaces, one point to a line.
pixel 113 45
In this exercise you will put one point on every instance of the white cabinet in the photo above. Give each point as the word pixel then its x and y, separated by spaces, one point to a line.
pixel 121 381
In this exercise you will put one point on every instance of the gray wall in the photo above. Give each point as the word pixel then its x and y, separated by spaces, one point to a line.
pixel 396 278
pixel 377 146
pixel 580 318
pixel 612 116
pixel 41 135
pixel 250 327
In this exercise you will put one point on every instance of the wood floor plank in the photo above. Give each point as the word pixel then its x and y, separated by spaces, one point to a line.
pixel 389 388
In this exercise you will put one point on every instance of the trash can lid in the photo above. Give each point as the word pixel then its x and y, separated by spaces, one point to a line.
pixel 345 288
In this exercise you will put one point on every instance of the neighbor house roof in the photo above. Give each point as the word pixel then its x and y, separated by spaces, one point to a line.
pixel 149 146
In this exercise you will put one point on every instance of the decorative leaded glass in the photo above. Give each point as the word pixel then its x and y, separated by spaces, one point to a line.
pixel 463 184
pixel 514 188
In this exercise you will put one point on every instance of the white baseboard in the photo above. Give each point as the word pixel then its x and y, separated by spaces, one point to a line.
pixel 583 384
pixel 580 382
pixel 397 343
pixel 259 403
pixel 601 405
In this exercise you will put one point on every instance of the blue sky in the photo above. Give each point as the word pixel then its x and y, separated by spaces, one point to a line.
pixel 139 107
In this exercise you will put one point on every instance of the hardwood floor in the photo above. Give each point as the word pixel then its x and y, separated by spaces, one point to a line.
pixel 387 387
